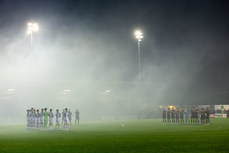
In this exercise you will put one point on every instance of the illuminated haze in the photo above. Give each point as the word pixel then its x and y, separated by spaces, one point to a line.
pixel 85 55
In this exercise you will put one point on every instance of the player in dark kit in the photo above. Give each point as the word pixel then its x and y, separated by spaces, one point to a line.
pixel 164 115
pixel 192 115
pixel 168 115
pixel 202 116
pixel 173 115
pixel 196 116
pixel 77 119
pixel 208 115
pixel 181 116
pixel 177 116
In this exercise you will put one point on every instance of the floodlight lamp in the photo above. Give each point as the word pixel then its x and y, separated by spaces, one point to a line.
pixel 138 33
pixel 139 37
pixel 35 27
pixel 29 24
pixel 28 32
pixel 32 27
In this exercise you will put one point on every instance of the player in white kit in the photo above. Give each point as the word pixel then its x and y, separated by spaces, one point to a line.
pixel 58 118
pixel 66 119
pixel 28 118
pixel 41 118
pixel 50 115
pixel 37 119
pixel 33 115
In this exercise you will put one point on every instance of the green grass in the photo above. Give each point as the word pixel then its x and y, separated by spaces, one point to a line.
pixel 137 136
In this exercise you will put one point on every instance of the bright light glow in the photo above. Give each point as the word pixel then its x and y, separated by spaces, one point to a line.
pixel 32 27
pixel 139 35
pixel 171 107
pixel 35 27
pixel 67 90
pixel 29 24
pixel 107 91
pixel 11 90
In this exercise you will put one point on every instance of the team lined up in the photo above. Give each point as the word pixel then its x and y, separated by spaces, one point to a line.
pixel 44 119
pixel 193 116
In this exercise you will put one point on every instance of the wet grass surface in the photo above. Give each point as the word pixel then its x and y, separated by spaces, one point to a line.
pixel 109 136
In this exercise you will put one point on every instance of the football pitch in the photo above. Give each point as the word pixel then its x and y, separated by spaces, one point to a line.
pixel 109 136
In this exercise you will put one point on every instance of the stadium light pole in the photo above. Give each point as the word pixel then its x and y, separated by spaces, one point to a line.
pixel 139 36
pixel 32 27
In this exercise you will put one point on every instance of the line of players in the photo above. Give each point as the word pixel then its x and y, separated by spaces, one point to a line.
pixel 186 116
pixel 44 119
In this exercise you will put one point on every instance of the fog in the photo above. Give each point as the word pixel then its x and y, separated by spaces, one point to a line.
pixel 89 61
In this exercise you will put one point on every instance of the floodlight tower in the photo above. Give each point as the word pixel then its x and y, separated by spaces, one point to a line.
pixel 32 27
pixel 139 36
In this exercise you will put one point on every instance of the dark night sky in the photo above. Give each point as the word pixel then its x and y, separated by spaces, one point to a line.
pixel 185 44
